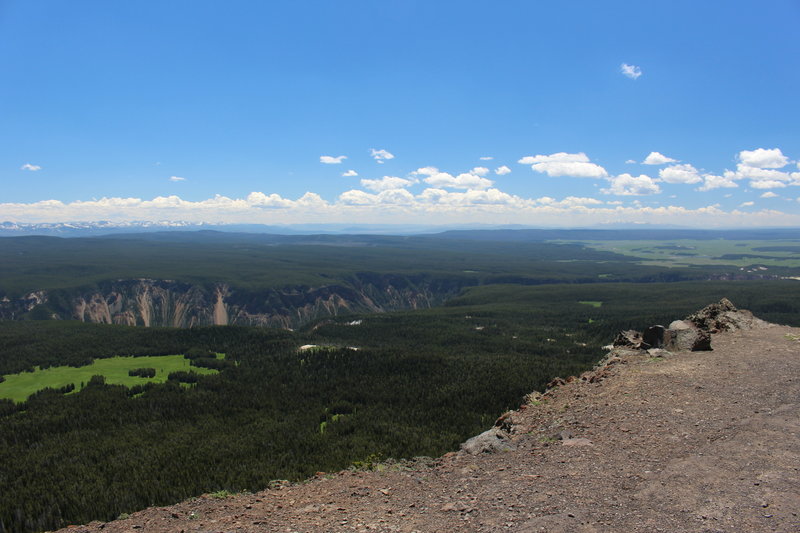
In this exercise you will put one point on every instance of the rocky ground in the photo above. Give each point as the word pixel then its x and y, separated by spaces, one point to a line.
pixel 691 441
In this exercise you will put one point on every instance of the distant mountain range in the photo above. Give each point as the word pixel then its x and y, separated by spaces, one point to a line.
pixel 480 232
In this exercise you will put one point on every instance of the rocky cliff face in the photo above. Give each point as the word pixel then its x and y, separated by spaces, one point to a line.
pixel 148 302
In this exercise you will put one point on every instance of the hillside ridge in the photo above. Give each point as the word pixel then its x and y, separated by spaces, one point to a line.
pixel 650 440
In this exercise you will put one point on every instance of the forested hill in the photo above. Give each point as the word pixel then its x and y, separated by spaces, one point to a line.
pixel 186 279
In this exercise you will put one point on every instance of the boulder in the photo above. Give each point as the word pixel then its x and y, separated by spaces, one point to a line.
pixel 490 441
pixel 724 316
pixel 684 336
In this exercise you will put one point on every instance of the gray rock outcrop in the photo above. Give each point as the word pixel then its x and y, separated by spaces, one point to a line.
pixel 490 441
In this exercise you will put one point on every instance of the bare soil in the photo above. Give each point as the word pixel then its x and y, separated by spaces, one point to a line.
pixel 693 441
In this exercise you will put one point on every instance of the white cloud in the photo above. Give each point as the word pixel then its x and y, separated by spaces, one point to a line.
pixel 349 174
pixel 489 197
pixel 502 171
pixel 574 201
pixel 436 206
pixel 486 158
pixel 387 183
pixel 747 204
pixel 560 157
pixel 259 199
pixel 479 171
pixel 763 158
pixel 769 194
pixel 680 174
pixel 627 185
pixel 564 164
pixel 630 162
pixel 767 184
pixel 32 168
pixel 380 155
pixel 466 180
pixel 176 178
pixel 631 71
pixel 657 158
pixel 711 182
pixel 331 160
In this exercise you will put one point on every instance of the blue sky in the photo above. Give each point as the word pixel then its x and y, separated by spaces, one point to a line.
pixel 239 112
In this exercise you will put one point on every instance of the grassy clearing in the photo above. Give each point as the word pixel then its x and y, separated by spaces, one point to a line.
pixel 18 387
pixel 592 303
pixel 716 252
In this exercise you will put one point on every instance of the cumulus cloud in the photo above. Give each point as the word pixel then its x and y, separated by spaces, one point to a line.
pixel 711 182
pixel 502 171
pixel 657 158
pixel 763 158
pixel 332 160
pixel 466 180
pixel 488 197
pixel 387 183
pixel 760 167
pixel 349 174
pixel 394 205
pixel 176 178
pixel 564 164
pixel 769 194
pixel 30 167
pixel 767 184
pixel 628 185
pixel 259 199
pixel 575 201
pixel 679 174
pixel 631 71
pixel 380 155
pixel 486 158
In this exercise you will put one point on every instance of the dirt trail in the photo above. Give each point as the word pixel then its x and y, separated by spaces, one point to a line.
pixel 696 441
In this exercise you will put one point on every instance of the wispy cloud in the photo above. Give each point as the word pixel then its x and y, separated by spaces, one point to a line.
pixel 631 71
pixel 350 174
pixel 30 167
pixel 332 160
pixel 769 194
pixel 657 158
pixel 176 178
pixel 380 155
pixel 486 158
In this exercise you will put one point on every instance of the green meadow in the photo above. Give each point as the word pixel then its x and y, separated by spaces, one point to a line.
pixel 18 387
pixel 706 252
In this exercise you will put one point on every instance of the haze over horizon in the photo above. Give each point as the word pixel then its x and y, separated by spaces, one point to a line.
pixel 401 112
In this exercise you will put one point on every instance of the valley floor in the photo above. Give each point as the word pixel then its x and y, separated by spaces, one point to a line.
pixel 701 441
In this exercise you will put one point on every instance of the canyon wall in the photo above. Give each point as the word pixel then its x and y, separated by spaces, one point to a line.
pixel 148 302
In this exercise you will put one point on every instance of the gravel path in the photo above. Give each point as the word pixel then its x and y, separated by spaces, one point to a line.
pixel 695 441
